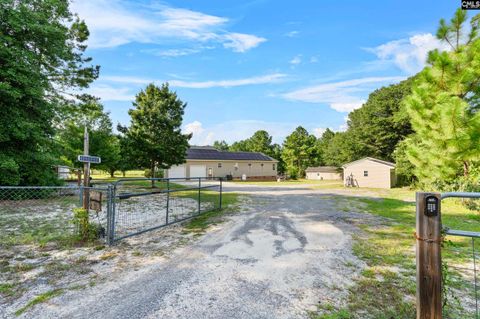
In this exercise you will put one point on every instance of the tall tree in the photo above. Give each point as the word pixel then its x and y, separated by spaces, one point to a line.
pixel 88 113
pixel 155 128
pixel 221 145
pixel 41 56
pixel 381 123
pixel 444 105
pixel 299 152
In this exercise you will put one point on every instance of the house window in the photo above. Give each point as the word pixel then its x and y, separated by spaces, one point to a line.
pixel 219 165
pixel 236 166
pixel 365 173
pixel 273 166
pixel 249 165
pixel 261 165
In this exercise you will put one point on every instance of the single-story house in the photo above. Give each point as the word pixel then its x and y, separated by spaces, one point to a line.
pixel 369 172
pixel 205 161
pixel 323 173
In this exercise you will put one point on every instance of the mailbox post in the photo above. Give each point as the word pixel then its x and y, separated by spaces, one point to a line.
pixel 429 265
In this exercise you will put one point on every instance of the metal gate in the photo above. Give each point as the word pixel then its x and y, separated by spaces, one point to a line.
pixel 143 204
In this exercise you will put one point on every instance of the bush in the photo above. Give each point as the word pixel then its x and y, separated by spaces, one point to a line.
pixel 148 173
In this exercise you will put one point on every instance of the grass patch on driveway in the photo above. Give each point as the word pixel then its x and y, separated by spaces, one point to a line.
pixel 387 286
pixel 39 299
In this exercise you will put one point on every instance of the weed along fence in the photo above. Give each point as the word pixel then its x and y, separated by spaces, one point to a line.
pixel 44 214
pixel 447 262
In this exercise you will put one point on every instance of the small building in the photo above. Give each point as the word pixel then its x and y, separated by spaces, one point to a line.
pixel 369 172
pixel 323 173
pixel 206 161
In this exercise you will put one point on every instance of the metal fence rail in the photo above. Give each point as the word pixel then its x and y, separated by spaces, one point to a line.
pixel 140 206
pixel 43 214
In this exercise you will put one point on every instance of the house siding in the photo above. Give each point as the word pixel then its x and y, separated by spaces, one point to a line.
pixel 323 176
pixel 254 171
pixel 379 175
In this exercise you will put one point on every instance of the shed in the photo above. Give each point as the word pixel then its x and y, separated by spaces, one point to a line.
pixel 323 173
pixel 369 172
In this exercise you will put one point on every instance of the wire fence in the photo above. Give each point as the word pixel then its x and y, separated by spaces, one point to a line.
pixel 145 204
pixel 42 214
pixel 460 274
pixel 460 268
pixel 46 214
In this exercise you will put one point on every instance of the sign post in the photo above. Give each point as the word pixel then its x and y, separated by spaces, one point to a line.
pixel 86 170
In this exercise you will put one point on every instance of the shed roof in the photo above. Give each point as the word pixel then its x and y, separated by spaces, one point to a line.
pixel 210 153
pixel 389 164
pixel 322 169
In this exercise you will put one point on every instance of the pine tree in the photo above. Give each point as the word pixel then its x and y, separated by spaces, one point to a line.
pixel 299 151
pixel 443 106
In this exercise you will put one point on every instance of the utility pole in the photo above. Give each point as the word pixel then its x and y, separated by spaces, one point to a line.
pixel 86 170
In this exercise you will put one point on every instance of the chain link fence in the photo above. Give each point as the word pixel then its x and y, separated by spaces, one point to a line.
pixel 46 214
pixel 144 204
pixel 43 214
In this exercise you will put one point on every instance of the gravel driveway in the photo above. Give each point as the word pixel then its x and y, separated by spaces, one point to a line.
pixel 287 249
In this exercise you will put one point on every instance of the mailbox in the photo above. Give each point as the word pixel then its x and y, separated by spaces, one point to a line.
pixel 431 205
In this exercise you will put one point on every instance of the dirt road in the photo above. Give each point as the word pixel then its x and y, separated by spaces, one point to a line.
pixel 285 251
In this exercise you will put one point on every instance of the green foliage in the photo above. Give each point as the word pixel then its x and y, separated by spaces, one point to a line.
pixel 154 135
pixel 381 123
pixel 444 107
pixel 404 170
pixel 87 231
pixel 300 151
pixel 221 145
pixel 102 142
pixel 9 171
pixel 39 299
pixel 32 78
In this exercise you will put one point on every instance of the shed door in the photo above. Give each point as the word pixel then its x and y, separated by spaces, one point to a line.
pixel 177 172
pixel 198 171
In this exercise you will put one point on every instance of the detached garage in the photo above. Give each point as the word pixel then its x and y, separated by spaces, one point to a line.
pixel 323 173
pixel 369 172
pixel 206 161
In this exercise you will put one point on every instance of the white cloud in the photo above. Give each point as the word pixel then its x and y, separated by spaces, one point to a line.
pixel 318 131
pixel 110 93
pixel 296 60
pixel 292 34
pixel 313 59
pixel 239 42
pixel 114 22
pixel 232 131
pixel 409 55
pixel 262 79
pixel 195 128
pixel 343 96
pixel 173 52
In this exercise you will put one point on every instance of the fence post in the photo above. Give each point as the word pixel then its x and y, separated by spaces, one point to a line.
pixel 109 214
pixel 220 204
pixel 429 264
pixel 168 201
pixel 81 195
pixel 199 198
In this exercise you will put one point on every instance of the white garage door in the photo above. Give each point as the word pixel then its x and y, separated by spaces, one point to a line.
pixel 177 172
pixel 198 171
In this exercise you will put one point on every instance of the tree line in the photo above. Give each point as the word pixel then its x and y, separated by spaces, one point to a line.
pixel 428 124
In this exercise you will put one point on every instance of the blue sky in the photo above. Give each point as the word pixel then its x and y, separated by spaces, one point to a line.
pixel 261 64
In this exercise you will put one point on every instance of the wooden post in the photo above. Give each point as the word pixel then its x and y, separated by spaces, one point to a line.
pixel 86 170
pixel 429 263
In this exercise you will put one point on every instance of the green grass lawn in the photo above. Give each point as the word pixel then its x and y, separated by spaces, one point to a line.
pixel 386 288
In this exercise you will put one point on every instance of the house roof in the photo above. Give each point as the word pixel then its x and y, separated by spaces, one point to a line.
pixel 389 164
pixel 210 153
pixel 322 169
